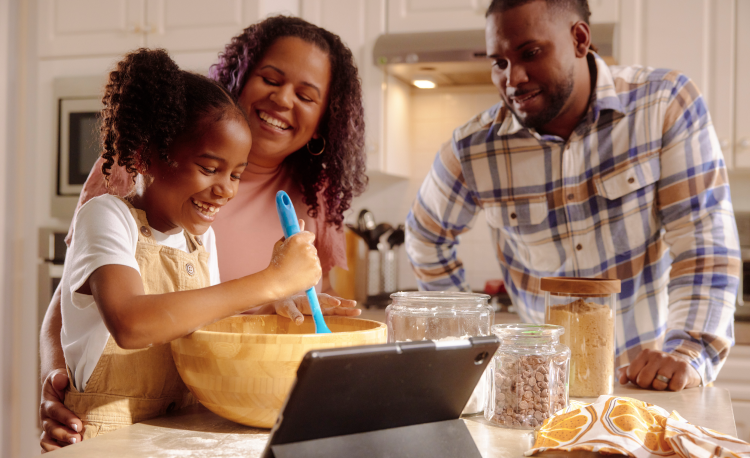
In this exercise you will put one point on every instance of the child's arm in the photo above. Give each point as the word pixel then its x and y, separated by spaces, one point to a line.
pixel 138 320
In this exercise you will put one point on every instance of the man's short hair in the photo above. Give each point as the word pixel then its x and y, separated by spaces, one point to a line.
pixel 580 7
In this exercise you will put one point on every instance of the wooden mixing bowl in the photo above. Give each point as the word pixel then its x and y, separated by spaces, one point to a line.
pixel 243 367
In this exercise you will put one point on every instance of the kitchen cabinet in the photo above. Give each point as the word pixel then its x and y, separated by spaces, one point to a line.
pixel 409 16
pixel 703 40
pixel 735 378
pixel 71 28
pixel 359 23
pixel 741 139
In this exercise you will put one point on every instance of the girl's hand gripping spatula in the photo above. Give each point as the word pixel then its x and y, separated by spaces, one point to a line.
pixel 290 225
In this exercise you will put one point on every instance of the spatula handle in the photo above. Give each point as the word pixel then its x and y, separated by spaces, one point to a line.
pixel 290 226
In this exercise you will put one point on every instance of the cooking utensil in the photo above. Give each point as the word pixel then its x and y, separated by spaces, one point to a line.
pixel 397 236
pixel 290 225
pixel 366 220
pixel 376 233
pixel 243 367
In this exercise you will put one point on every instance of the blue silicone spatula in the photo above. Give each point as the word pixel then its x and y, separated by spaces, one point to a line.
pixel 290 225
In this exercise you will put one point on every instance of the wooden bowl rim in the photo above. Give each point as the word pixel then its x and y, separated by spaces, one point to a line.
pixel 203 334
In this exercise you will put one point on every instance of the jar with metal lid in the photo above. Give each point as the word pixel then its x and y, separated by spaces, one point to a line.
pixel 586 308
pixel 529 375
pixel 441 315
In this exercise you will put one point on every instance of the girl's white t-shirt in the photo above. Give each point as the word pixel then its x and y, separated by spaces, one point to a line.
pixel 105 233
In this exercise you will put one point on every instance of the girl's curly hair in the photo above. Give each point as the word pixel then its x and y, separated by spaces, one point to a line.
pixel 149 102
pixel 340 170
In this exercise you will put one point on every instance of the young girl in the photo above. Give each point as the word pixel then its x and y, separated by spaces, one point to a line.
pixel 142 271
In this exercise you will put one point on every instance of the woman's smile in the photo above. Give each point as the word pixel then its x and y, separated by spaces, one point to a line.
pixel 273 121
pixel 286 96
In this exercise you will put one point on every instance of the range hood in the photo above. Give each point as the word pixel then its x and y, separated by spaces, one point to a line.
pixel 456 58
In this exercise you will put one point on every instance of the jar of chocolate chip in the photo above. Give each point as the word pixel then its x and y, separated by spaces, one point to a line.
pixel 529 375
pixel 586 308
pixel 441 316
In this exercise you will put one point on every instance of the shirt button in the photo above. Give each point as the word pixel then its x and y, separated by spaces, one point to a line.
pixel 512 216
pixel 579 247
pixel 198 240
pixel 190 269
pixel 145 231
pixel 570 196
pixel 631 180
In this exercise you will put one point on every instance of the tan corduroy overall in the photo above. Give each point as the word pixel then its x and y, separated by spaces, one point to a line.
pixel 128 386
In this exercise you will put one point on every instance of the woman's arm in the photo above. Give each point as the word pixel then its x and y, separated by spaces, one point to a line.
pixel 59 425
pixel 137 320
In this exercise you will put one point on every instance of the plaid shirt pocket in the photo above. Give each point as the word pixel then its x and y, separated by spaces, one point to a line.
pixel 524 226
pixel 629 211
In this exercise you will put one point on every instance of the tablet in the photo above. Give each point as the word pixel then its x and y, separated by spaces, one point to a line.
pixel 343 391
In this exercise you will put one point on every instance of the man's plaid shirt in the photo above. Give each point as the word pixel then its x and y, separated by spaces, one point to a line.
pixel 639 192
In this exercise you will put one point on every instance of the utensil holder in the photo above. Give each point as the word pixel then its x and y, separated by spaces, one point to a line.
pixel 374 277
pixel 389 270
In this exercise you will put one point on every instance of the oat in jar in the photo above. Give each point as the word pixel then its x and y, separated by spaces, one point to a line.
pixel 529 375
pixel 585 307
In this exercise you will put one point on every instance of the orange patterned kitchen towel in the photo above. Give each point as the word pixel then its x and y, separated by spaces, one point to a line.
pixel 626 426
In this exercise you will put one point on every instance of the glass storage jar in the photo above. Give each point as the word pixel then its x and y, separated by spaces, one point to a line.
pixel 529 375
pixel 441 315
pixel 586 308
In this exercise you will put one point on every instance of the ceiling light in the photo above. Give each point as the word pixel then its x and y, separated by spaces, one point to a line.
pixel 424 82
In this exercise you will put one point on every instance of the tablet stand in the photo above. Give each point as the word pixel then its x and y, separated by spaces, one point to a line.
pixel 450 438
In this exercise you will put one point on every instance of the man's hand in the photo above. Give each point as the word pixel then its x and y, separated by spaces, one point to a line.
pixel 60 426
pixel 643 371
pixel 296 306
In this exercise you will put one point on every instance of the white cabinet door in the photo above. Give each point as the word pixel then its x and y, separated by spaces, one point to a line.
pixel 359 23
pixel 695 37
pixel 604 11
pixel 89 27
pixel 197 25
pixel 408 16
pixel 742 98
pixel 734 377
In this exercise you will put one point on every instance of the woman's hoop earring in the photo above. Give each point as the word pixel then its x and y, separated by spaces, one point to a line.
pixel 321 149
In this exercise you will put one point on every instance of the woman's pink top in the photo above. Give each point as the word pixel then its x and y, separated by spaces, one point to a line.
pixel 248 226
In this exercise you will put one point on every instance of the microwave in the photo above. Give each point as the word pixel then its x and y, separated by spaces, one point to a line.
pixel 77 107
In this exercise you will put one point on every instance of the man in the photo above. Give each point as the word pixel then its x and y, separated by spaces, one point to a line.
pixel 589 171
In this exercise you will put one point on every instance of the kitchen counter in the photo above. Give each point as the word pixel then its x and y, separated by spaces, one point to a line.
pixel 197 432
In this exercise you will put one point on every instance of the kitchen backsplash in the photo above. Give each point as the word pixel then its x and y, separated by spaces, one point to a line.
pixel 434 114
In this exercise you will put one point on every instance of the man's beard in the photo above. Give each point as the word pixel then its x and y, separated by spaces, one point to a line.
pixel 557 99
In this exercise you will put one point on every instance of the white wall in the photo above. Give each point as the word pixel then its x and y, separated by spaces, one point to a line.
pixel 20 436
pixel 433 115
pixel 739 185
pixel 5 265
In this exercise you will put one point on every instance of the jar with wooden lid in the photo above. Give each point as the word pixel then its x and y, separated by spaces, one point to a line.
pixel 586 308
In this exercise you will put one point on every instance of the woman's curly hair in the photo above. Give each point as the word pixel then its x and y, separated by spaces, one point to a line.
pixel 149 102
pixel 340 170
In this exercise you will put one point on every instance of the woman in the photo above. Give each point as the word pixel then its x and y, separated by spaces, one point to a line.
pixel 299 86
